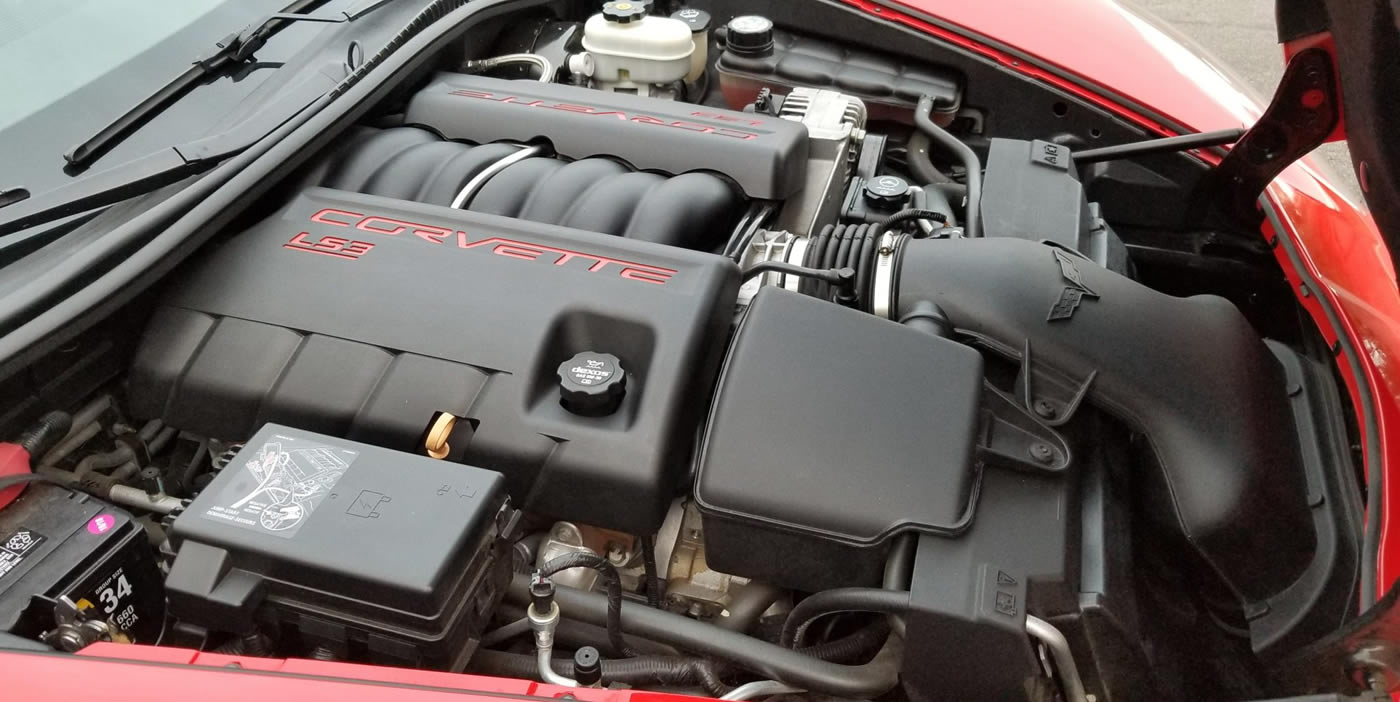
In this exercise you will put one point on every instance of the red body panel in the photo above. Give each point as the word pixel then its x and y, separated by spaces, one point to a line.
pixel 1095 49
pixel 122 673
pixel 14 460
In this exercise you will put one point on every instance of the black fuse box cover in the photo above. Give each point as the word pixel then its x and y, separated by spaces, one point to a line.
pixel 57 542
pixel 363 316
pixel 833 430
pixel 314 532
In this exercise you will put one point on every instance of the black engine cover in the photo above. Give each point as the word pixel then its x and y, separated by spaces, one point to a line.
pixel 765 156
pixel 691 210
pixel 362 316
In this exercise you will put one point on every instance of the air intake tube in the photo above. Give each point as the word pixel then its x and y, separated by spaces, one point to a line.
pixel 1189 374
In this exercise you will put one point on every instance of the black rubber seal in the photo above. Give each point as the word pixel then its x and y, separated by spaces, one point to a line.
pixel 1375 478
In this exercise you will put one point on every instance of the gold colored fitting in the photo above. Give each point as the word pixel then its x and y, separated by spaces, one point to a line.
pixel 436 442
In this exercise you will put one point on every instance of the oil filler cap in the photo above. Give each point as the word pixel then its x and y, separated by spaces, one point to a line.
pixel 592 384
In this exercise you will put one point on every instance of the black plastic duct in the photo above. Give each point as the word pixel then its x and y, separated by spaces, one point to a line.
pixel 1189 374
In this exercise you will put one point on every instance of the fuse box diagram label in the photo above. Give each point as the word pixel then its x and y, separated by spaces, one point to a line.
pixel 278 485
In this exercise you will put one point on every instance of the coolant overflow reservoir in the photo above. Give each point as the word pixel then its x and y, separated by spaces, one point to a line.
pixel 627 50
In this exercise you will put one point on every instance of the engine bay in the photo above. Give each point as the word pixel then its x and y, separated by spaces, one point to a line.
pixel 682 347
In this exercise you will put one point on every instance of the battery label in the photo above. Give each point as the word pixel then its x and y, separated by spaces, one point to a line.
pixel 278 485
pixel 16 547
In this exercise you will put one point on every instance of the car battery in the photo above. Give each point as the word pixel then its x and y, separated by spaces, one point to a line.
pixel 56 543
pixel 334 546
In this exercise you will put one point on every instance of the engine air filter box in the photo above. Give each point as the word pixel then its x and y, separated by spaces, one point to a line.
pixel 832 432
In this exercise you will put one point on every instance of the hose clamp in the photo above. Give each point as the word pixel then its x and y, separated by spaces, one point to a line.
pixel 882 288
pixel 797 251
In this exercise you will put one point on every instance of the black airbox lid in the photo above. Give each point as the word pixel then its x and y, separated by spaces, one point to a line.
pixel 836 426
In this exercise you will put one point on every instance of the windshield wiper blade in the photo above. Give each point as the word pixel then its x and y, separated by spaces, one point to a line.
pixel 235 49
pixel 169 165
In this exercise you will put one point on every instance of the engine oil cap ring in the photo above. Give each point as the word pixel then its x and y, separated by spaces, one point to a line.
pixel 592 384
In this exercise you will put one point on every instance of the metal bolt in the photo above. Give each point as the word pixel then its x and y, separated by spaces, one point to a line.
pixel 616 555
pixel 70 640
pixel 1042 452
pixel 1044 409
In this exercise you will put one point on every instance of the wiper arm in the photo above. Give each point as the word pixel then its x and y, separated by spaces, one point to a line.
pixel 170 165
pixel 235 49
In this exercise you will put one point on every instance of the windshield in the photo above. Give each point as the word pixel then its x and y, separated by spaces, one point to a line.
pixel 55 47
pixel 71 67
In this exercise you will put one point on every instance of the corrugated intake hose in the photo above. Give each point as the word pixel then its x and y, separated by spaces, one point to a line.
pixel 768 660
pixel 842 246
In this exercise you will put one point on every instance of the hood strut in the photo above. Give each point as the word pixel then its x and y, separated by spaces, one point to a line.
pixel 1304 112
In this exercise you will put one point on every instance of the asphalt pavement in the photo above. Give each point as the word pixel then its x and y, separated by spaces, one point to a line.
pixel 1240 35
